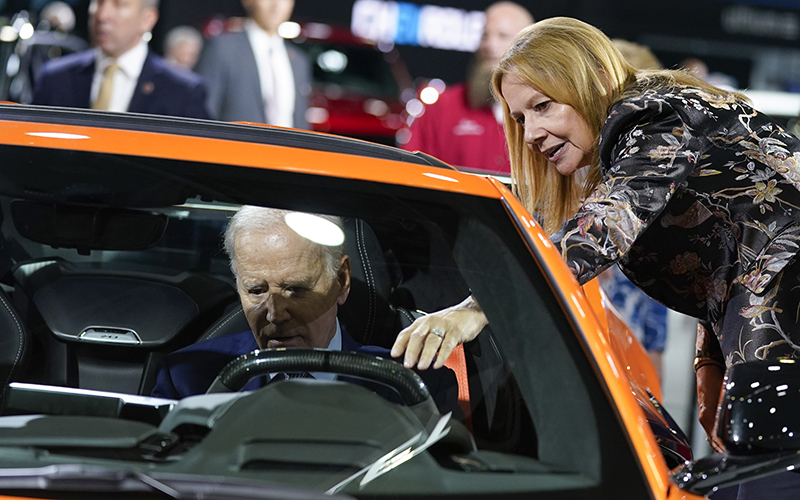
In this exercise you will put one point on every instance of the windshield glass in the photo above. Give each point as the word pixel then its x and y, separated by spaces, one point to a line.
pixel 112 263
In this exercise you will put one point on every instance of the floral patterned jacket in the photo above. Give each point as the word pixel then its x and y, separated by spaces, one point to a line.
pixel 697 195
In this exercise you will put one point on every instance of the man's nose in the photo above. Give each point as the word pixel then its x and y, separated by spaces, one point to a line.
pixel 277 311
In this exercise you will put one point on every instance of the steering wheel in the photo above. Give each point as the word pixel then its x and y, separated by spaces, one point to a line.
pixel 415 394
pixel 235 375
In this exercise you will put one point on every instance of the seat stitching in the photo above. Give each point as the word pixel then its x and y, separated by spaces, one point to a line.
pixel 21 337
pixel 406 313
pixel 230 317
pixel 362 251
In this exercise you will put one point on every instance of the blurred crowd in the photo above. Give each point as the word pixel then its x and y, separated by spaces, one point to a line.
pixel 251 74
pixel 246 73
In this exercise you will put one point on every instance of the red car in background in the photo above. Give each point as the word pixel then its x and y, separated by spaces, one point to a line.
pixel 357 84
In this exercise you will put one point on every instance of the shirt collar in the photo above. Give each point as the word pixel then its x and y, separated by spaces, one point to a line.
pixel 335 345
pixel 259 36
pixel 131 62
pixel 336 341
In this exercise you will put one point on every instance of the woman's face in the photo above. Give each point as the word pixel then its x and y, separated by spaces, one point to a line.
pixel 551 129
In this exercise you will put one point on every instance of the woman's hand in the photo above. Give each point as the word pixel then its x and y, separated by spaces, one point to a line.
pixel 709 367
pixel 709 386
pixel 439 332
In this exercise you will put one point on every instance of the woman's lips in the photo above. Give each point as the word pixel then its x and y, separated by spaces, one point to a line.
pixel 557 153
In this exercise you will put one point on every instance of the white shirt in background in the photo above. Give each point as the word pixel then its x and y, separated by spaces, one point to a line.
pixel 125 79
pixel 274 73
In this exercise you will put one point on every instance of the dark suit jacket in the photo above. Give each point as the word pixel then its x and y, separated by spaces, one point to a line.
pixel 229 69
pixel 161 90
pixel 192 370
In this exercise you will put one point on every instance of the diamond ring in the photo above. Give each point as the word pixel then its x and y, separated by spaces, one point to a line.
pixel 438 332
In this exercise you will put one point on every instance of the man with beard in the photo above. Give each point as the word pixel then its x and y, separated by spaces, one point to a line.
pixel 463 127
pixel 290 289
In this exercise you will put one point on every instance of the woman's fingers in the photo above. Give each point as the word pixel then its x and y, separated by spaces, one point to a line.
pixel 431 344
pixel 434 336
pixel 447 347
pixel 709 383
pixel 401 342
pixel 420 343
pixel 716 444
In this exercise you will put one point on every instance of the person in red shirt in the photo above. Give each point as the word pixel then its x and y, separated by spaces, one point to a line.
pixel 463 127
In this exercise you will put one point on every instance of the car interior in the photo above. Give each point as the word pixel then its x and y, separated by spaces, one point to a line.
pixel 99 293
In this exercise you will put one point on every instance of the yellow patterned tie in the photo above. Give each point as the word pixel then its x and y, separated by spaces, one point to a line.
pixel 106 87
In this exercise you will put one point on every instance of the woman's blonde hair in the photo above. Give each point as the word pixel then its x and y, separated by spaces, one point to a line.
pixel 572 63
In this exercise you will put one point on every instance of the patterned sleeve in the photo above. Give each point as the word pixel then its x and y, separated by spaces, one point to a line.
pixel 646 151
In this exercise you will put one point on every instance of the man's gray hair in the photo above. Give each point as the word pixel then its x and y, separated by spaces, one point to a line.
pixel 150 3
pixel 253 218
pixel 180 34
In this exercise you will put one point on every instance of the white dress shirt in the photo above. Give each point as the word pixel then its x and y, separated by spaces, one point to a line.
pixel 274 73
pixel 125 80
pixel 335 345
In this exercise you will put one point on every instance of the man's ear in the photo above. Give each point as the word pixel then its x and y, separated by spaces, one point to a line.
pixel 343 277
pixel 149 18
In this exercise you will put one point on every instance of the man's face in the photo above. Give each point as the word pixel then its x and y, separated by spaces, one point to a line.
pixel 287 295
pixel 269 14
pixel 503 22
pixel 185 54
pixel 116 26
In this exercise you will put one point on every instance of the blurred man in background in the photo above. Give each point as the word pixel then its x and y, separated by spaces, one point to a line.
pixel 464 126
pixel 254 75
pixel 182 47
pixel 120 73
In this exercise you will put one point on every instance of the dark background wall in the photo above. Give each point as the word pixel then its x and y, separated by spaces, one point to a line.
pixel 728 35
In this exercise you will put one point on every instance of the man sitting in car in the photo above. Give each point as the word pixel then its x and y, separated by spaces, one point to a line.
pixel 290 288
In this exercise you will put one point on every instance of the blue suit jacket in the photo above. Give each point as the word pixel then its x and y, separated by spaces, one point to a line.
pixel 191 370
pixel 161 90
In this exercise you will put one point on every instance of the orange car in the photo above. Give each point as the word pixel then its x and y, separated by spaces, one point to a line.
pixel 111 259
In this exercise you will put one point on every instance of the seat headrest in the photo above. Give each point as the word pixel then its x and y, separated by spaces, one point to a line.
pixel 367 313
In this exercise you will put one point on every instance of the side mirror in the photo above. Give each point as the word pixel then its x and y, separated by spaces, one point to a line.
pixel 758 423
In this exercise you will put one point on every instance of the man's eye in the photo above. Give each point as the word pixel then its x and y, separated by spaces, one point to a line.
pixel 256 291
pixel 296 290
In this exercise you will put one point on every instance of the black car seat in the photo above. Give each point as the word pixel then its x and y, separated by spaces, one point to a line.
pixel 14 343
pixel 106 330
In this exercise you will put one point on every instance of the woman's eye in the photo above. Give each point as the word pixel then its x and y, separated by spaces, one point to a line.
pixel 520 119
pixel 541 106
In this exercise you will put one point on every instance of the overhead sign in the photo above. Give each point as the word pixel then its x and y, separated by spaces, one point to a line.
pixel 404 23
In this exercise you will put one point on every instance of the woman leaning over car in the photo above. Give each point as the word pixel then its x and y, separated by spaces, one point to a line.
pixel 691 191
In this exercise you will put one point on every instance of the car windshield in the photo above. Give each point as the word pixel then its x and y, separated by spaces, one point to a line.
pixel 112 261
